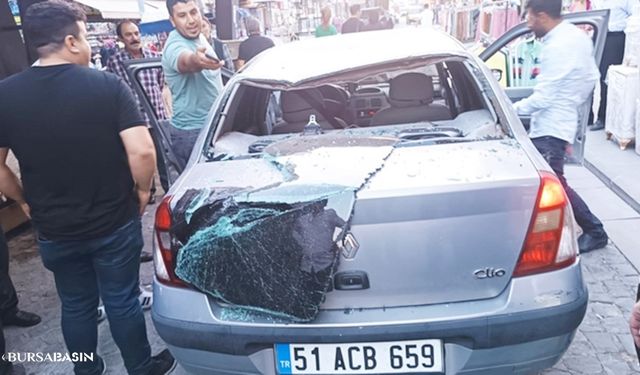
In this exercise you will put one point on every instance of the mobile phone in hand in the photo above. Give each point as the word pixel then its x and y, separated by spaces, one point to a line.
pixel 210 57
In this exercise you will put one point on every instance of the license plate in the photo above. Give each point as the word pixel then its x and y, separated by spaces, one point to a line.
pixel 416 356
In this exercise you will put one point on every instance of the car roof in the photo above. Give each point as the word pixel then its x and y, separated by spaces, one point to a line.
pixel 319 57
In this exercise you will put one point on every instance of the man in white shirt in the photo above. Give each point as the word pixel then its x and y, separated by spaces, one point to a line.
pixel 568 74
pixel 613 53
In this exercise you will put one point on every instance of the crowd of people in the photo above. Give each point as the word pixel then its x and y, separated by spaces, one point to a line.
pixel 354 24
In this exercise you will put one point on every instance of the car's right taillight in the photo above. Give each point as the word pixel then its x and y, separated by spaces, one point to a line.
pixel 550 243
pixel 165 254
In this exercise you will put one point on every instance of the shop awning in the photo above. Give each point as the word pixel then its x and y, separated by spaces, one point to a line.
pixel 112 9
pixel 154 10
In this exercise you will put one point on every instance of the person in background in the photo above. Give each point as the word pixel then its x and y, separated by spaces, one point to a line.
pixel 254 44
pixel 353 24
pixel 426 17
pixel 326 28
pixel 221 49
pixel 374 22
pixel 86 161
pixel 192 71
pixel 152 81
pixel 10 315
pixel 634 323
pixel 387 20
pixel 613 53
pixel 108 48
pixel 568 74
pixel 579 6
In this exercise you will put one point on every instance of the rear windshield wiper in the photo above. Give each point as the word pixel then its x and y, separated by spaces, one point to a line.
pixel 433 141
pixel 428 133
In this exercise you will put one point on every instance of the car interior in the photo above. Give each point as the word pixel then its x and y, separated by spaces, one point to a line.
pixel 445 94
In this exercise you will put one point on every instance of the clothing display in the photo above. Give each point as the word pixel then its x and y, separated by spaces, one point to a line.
pixel 496 19
pixel 525 63
pixel 462 23
pixel 623 91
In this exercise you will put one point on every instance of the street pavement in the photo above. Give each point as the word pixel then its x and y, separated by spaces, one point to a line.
pixel 602 344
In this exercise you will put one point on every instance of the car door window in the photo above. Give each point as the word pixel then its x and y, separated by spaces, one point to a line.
pixel 518 63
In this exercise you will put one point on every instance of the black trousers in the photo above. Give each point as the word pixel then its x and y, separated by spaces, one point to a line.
pixel 160 162
pixel 612 55
pixel 8 297
pixel 553 150
pixel 637 299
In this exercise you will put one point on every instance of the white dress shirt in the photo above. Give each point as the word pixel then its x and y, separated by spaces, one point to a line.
pixel 620 11
pixel 568 74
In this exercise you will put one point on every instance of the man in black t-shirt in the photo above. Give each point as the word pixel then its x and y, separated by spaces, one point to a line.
pixel 86 160
pixel 254 44
pixel 354 24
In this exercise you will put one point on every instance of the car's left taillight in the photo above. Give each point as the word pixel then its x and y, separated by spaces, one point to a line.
pixel 551 242
pixel 165 254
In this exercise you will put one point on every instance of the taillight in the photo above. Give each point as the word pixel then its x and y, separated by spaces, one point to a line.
pixel 165 256
pixel 550 242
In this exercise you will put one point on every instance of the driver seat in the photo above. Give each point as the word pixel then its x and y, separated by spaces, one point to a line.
pixel 296 111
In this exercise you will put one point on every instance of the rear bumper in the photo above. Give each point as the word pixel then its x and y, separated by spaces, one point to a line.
pixel 478 333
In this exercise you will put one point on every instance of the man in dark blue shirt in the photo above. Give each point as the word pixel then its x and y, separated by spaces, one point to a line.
pixel 86 160
pixel 254 44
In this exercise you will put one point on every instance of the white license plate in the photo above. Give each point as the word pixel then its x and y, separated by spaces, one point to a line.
pixel 416 356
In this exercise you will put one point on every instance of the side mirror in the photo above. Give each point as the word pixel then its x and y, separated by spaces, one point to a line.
pixel 497 74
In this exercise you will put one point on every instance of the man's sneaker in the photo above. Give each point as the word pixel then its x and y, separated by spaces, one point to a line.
pixel 592 241
pixel 146 298
pixel 145 256
pixel 162 363
pixel 103 366
pixel 102 313
pixel 598 125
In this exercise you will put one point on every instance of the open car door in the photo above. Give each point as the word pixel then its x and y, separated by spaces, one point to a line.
pixel 160 129
pixel 519 49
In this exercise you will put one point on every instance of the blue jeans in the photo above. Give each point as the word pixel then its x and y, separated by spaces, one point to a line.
pixel 553 150
pixel 106 267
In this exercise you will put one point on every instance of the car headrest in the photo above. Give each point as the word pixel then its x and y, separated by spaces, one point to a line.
pixel 410 89
pixel 334 92
pixel 295 108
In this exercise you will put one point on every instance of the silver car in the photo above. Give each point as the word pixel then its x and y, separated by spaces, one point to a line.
pixel 367 204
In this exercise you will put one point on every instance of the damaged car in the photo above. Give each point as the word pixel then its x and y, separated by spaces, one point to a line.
pixel 376 209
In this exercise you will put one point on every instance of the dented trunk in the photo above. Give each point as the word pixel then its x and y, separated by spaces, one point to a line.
pixel 330 223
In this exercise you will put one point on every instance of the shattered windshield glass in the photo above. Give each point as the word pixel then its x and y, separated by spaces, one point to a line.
pixel 274 248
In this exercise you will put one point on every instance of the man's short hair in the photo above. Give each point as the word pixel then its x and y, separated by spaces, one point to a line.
pixel 252 24
pixel 326 11
pixel 354 9
pixel 552 8
pixel 171 3
pixel 50 22
pixel 122 23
